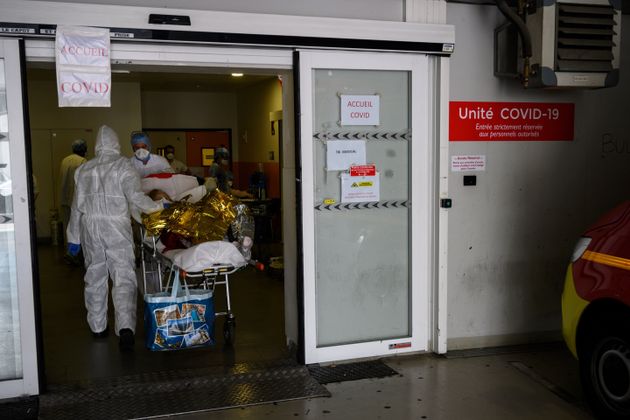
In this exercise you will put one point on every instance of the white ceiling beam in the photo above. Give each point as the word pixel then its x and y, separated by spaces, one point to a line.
pixel 114 16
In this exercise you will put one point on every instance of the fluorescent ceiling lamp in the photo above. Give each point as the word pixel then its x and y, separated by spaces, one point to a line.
pixel 121 71
pixel 237 74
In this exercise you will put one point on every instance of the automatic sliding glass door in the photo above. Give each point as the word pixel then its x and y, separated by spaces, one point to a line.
pixel 18 354
pixel 365 160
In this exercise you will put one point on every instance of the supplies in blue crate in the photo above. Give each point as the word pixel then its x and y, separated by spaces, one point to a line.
pixel 179 319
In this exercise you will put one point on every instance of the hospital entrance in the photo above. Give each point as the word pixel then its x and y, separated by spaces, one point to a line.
pixel 348 259
pixel 197 113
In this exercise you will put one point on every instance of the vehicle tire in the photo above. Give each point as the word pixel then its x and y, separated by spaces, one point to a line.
pixel 229 331
pixel 605 373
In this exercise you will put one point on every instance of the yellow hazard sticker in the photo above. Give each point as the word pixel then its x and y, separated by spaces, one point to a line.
pixel 362 184
pixel 329 201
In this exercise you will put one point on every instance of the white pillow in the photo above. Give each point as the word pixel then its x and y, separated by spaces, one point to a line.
pixel 205 255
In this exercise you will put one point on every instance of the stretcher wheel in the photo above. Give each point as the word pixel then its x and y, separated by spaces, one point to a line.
pixel 229 330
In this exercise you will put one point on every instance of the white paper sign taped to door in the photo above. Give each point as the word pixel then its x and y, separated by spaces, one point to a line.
pixel 341 154
pixel 83 66
pixel 360 109
pixel 360 189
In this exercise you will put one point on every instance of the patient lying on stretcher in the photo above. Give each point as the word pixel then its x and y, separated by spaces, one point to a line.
pixel 159 195
pixel 170 187
pixel 198 218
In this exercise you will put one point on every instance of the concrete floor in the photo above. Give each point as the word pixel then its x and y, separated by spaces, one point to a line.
pixel 516 385
pixel 431 387
pixel 73 355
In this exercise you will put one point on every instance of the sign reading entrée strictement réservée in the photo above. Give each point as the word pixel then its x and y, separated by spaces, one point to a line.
pixel 83 66
pixel 511 121
pixel 360 109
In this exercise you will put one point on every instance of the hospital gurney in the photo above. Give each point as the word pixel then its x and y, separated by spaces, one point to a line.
pixel 155 265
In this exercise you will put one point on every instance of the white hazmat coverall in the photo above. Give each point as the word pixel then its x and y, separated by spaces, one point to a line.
pixel 106 187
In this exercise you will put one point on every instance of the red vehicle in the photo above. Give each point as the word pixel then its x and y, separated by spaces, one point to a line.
pixel 596 312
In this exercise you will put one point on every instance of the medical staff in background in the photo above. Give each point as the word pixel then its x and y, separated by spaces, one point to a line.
pixel 69 165
pixel 107 189
pixel 177 166
pixel 220 171
pixel 145 162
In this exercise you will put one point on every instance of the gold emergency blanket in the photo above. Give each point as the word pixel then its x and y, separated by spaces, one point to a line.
pixel 206 220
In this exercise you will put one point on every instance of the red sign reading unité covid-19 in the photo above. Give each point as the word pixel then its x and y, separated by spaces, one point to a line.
pixel 511 121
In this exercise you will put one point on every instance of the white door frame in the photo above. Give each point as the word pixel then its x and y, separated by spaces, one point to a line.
pixel 183 57
pixel 421 162
pixel 200 58
pixel 29 383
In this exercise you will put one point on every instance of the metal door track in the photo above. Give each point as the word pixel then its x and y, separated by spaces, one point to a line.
pixel 179 392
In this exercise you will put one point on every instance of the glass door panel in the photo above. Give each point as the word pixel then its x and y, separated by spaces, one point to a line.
pixel 362 254
pixel 364 160
pixel 10 349
pixel 18 354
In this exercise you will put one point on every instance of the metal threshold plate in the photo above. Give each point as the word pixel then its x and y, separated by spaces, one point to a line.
pixel 351 371
pixel 178 392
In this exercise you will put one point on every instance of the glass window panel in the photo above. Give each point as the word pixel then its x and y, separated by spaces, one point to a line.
pixel 10 353
pixel 362 255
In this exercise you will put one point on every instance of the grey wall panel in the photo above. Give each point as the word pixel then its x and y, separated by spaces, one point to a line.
pixel 510 237
pixel 391 10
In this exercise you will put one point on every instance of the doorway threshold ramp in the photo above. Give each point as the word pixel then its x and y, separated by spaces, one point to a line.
pixel 180 392
pixel 351 371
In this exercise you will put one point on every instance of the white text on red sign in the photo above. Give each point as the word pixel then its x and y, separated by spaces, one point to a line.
pixel 363 170
pixel 511 121
pixel 480 113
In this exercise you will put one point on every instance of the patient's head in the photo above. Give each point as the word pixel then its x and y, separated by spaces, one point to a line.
pixel 157 195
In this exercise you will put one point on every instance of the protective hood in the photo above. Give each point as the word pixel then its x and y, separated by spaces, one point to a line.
pixel 107 141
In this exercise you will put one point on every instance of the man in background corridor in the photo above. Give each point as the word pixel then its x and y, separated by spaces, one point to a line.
pixel 69 165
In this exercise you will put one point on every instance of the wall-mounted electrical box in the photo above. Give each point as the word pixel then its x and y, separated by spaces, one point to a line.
pixel 574 43
pixel 470 180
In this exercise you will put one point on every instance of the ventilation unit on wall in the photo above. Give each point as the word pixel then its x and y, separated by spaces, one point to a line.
pixel 560 43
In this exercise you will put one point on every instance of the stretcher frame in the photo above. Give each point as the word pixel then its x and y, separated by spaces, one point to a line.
pixel 207 279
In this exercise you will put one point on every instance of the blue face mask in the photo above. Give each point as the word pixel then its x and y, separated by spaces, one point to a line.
pixel 142 155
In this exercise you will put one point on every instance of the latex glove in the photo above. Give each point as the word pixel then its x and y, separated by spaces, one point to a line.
pixel 166 204
pixel 73 249
pixel 247 243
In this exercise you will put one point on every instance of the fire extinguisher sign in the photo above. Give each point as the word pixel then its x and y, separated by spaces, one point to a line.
pixel 511 121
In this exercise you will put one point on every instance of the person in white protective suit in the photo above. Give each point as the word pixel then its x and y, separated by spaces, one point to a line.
pixel 106 187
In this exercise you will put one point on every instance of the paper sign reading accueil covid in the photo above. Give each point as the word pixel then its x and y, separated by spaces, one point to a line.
pixel 83 66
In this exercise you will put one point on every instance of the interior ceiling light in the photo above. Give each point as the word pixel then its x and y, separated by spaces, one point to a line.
pixel 237 74
pixel 121 71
